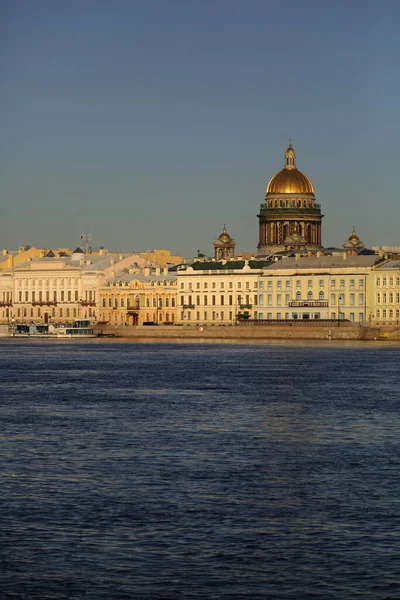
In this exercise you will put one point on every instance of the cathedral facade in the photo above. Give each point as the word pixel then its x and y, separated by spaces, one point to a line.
pixel 289 218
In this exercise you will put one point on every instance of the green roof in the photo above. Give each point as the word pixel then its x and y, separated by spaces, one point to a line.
pixel 229 265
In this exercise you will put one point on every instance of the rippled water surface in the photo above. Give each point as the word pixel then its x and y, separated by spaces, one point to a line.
pixel 174 471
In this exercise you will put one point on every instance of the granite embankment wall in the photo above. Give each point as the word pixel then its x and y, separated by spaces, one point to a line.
pixel 298 332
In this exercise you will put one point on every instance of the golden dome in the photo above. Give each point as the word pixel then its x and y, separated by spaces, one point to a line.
pixel 290 181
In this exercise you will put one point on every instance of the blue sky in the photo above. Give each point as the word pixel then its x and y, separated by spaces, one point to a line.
pixel 154 123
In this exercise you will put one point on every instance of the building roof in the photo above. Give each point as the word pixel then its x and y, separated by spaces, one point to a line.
pixel 128 277
pixel 392 263
pixel 229 265
pixel 320 262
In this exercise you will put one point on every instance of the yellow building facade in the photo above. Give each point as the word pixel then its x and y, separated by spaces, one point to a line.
pixel 10 259
pixel 161 257
pixel 385 292
pixel 135 298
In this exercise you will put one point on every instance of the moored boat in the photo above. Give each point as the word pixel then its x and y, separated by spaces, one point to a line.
pixel 80 328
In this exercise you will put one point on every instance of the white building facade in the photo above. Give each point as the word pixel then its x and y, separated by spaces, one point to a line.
pixel 316 287
pixel 218 293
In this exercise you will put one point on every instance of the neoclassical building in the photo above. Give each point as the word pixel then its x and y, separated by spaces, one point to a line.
pixel 134 297
pixel 289 210
pixel 317 287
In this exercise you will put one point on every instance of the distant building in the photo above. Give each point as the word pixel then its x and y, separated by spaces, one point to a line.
pixel 218 292
pixel 59 287
pixel 290 216
pixel 52 288
pixel 11 258
pixel 134 298
pixel 163 258
pixel 385 292
pixel 316 287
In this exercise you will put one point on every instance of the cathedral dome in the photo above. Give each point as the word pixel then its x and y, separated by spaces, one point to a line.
pixel 290 180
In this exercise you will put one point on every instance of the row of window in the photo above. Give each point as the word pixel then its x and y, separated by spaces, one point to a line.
pixel 167 318
pixel 139 284
pixel 203 316
pixel 388 314
pixel 57 314
pixel 46 282
pixel 121 302
pixel 385 280
pixel 308 316
pixel 63 296
pixel 214 285
pixel 333 284
pixel 385 298
pixel 221 300
pixel 334 298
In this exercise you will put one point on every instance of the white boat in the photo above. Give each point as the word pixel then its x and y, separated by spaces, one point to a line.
pixel 79 329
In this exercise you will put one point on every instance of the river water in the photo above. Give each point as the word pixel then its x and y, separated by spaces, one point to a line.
pixel 212 471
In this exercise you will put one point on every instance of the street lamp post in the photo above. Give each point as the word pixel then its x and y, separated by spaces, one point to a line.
pixel 156 308
pixel 239 301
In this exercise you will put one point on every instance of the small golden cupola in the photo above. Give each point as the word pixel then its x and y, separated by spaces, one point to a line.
pixel 354 245
pixel 224 246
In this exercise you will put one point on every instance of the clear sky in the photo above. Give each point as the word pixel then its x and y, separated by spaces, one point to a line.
pixel 153 123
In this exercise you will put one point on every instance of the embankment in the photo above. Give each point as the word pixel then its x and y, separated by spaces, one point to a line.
pixel 243 332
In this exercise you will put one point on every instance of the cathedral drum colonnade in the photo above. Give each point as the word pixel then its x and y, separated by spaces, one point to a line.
pixel 289 210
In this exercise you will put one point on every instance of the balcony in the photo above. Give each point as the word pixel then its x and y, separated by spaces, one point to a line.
pixel 243 316
pixel 246 306
pixel 190 306
pixel 308 303
pixel 87 302
pixel 6 303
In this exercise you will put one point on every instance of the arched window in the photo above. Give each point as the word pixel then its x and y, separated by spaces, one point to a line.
pixel 309 296
pixel 137 302
pixel 285 231
pixel 298 295
pixel 104 301
pixel 321 295
pixel 147 302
